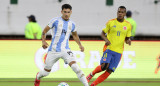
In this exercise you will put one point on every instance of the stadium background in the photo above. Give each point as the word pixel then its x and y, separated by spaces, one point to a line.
pixel 21 58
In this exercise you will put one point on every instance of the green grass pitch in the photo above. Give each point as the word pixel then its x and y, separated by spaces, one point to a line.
pixel 76 82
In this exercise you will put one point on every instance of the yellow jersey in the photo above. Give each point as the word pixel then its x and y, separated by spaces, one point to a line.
pixel 116 33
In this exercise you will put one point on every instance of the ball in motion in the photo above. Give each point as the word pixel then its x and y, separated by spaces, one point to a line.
pixel 63 84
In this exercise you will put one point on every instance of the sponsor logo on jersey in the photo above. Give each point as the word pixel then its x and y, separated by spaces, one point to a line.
pixel 114 68
pixel 114 26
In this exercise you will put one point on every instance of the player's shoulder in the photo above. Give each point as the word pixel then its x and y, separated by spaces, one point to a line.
pixel 55 19
pixel 72 22
pixel 127 22
pixel 111 20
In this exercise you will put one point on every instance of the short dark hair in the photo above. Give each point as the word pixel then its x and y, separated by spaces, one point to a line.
pixel 66 6
pixel 32 18
pixel 129 13
pixel 123 7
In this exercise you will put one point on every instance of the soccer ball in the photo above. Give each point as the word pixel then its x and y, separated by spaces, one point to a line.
pixel 63 84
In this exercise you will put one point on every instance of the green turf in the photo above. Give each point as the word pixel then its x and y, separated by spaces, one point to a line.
pixel 75 82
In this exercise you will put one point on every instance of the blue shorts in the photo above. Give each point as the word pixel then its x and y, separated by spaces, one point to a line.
pixel 112 58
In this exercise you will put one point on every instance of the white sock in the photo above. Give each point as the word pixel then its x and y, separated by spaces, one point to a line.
pixel 42 73
pixel 80 74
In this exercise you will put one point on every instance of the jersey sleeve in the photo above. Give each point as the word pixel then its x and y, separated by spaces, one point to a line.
pixel 27 31
pixel 129 30
pixel 106 29
pixel 51 24
pixel 73 27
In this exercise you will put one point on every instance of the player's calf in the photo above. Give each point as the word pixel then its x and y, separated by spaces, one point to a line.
pixel 42 73
pixel 39 76
pixel 92 84
pixel 89 77
pixel 37 82
pixel 80 74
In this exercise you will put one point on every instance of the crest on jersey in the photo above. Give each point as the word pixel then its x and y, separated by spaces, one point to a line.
pixel 124 27
pixel 104 59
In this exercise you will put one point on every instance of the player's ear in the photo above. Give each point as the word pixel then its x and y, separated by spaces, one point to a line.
pixel 125 13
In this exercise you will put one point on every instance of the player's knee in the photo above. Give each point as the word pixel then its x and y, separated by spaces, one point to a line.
pixel 48 70
pixel 75 68
pixel 104 66
pixel 73 62
pixel 109 71
pixel 45 72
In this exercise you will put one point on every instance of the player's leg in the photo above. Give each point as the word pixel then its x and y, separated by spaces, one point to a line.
pixel 79 73
pixel 157 69
pixel 49 62
pixel 96 70
pixel 104 64
pixel 70 59
pixel 110 68
pixel 102 77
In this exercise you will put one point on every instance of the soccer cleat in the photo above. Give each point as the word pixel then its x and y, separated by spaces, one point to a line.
pixel 36 82
pixel 92 84
pixel 89 77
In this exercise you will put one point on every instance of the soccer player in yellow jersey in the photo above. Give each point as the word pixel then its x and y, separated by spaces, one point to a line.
pixel 118 31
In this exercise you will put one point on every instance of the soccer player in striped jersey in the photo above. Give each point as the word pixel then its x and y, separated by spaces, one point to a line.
pixel 61 28
pixel 118 31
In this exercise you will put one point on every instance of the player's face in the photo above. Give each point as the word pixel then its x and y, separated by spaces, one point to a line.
pixel 121 13
pixel 66 13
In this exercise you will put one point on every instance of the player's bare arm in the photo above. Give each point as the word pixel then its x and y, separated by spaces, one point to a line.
pixel 107 42
pixel 128 40
pixel 76 38
pixel 44 43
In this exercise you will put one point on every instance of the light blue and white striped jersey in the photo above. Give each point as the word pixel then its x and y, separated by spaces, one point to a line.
pixel 60 30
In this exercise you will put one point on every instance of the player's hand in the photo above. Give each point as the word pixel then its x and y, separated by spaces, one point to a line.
pixel 82 48
pixel 107 42
pixel 44 44
pixel 128 42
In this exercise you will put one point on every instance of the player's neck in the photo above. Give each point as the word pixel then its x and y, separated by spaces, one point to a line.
pixel 120 20
pixel 65 19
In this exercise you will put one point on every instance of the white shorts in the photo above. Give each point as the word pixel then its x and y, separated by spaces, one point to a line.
pixel 53 57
